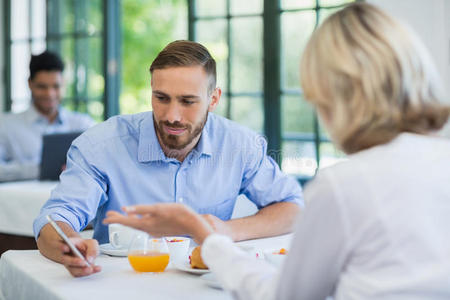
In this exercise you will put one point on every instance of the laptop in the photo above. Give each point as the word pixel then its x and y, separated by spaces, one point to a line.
pixel 54 151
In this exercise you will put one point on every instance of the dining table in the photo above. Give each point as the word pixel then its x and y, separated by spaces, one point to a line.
pixel 20 203
pixel 26 274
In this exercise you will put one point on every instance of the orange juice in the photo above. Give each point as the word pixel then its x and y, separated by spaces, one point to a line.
pixel 150 261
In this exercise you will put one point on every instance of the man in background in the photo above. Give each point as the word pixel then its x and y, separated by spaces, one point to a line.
pixel 21 134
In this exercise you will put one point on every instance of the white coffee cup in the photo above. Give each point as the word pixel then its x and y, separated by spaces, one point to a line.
pixel 120 236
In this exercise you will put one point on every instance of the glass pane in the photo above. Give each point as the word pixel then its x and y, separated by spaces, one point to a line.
pixel 325 13
pixel 333 2
pixel 95 80
pixel 38 18
pixel 212 34
pixel 221 109
pixel 83 54
pixel 20 59
pixel 293 4
pixel 298 158
pixel 82 105
pixel 69 67
pixel 19 19
pixel 95 109
pixel 246 55
pixel 297 115
pixel 38 46
pixel 323 131
pixel 80 16
pixel 95 16
pixel 293 42
pixel 248 111
pixel 210 8
pixel 329 155
pixel 239 7
pixel 147 27
pixel 67 17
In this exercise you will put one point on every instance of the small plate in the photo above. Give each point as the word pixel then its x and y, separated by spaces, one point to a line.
pixel 110 250
pixel 186 267
pixel 211 280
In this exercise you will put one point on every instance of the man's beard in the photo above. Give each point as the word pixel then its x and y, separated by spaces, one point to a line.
pixel 175 142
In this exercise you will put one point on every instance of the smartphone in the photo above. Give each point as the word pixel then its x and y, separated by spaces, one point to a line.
pixel 67 241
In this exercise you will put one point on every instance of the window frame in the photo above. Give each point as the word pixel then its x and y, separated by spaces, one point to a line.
pixel 272 68
pixel 110 38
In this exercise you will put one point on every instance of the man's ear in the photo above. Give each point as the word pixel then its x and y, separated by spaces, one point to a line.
pixel 215 97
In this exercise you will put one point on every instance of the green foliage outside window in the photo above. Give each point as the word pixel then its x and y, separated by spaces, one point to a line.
pixel 147 26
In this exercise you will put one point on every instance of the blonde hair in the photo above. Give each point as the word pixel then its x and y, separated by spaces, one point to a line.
pixel 370 78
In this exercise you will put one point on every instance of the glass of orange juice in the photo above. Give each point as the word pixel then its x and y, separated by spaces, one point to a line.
pixel 148 254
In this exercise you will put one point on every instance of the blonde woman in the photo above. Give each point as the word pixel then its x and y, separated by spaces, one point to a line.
pixel 376 226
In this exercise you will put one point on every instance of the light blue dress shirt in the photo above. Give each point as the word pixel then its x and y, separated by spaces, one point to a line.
pixel 21 139
pixel 120 162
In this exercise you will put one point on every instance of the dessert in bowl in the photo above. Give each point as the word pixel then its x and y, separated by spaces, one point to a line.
pixel 276 256
pixel 178 247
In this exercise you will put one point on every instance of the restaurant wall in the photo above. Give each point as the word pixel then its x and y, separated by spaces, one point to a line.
pixel 431 20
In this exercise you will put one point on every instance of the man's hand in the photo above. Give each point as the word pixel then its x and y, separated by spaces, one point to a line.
pixel 163 219
pixel 52 246
pixel 76 266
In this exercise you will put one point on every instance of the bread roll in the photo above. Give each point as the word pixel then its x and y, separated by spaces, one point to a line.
pixel 196 259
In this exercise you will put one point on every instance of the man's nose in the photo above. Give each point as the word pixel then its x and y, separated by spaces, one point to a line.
pixel 50 93
pixel 174 113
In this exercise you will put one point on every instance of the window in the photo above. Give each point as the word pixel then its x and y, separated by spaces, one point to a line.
pixel 26 32
pixel 257 45
pixel 76 29
pixel 233 32
pixel 147 26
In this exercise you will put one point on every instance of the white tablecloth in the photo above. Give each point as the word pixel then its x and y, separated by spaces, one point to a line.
pixel 28 275
pixel 20 203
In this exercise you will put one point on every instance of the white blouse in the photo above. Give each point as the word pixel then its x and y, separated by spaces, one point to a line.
pixel 375 227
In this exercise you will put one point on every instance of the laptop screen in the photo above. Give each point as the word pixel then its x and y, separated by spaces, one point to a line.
pixel 54 151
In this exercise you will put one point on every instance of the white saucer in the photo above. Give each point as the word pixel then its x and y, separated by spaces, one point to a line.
pixel 186 267
pixel 211 280
pixel 110 250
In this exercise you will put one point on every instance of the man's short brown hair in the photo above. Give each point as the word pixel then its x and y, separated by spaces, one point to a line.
pixel 184 53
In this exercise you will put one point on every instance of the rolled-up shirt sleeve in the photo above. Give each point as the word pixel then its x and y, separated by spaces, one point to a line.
pixel 264 183
pixel 81 191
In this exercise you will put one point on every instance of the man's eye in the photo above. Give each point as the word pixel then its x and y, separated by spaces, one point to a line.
pixel 161 98
pixel 187 102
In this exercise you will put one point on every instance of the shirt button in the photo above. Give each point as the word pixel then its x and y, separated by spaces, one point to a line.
pixel 180 199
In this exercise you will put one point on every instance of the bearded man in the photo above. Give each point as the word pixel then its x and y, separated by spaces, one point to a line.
pixel 180 152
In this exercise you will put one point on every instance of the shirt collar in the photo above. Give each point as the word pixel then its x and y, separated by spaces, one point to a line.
pixel 149 148
pixel 33 116
pixel 204 144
